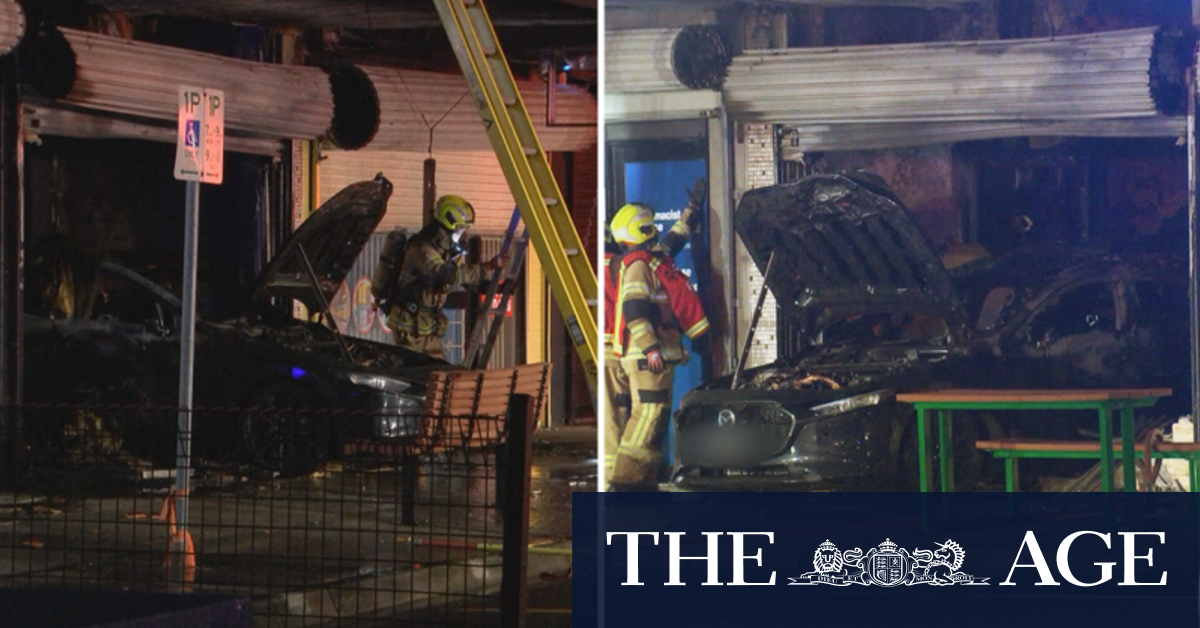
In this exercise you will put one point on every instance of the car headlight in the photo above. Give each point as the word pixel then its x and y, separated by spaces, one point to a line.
pixel 379 382
pixel 851 403
pixel 398 417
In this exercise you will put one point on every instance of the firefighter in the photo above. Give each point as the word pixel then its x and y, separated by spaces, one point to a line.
pixel 653 308
pixel 432 267
pixel 671 243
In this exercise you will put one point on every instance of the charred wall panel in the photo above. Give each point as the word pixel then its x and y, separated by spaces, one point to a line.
pixel 118 200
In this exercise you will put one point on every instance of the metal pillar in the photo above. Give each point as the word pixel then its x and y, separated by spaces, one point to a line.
pixel 722 247
pixel 1193 250
pixel 517 483
pixel 11 270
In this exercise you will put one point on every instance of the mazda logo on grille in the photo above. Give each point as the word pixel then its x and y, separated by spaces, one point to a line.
pixel 726 418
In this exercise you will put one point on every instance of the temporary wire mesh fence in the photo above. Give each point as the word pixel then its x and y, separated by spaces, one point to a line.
pixel 286 507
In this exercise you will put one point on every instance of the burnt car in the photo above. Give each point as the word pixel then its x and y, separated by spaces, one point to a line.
pixel 281 393
pixel 879 314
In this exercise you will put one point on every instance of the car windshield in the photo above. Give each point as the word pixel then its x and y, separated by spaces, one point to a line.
pixel 884 327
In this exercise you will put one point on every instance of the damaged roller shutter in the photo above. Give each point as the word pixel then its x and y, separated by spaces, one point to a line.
pixel 801 139
pixel 655 60
pixel 45 120
pixel 12 25
pixel 664 74
pixel 1136 73
pixel 474 175
pixel 423 109
pixel 129 78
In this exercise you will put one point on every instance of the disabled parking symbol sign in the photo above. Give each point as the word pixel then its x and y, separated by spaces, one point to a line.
pixel 192 135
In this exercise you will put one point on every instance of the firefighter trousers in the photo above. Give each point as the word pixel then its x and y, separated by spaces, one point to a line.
pixel 429 345
pixel 632 440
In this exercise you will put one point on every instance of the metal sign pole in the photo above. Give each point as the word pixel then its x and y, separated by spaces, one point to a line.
pixel 187 354
pixel 199 156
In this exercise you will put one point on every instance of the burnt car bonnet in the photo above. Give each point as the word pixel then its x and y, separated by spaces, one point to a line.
pixel 845 245
pixel 331 238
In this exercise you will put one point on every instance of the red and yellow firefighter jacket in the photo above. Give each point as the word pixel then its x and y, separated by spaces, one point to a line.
pixel 651 305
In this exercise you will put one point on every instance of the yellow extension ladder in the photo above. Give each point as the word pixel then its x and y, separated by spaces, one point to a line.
pixel 572 278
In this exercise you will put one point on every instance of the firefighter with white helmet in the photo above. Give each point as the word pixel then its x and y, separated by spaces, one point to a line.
pixel 432 267
pixel 651 307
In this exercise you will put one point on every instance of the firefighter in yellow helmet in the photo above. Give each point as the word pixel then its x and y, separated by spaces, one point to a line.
pixel 654 308
pixel 432 267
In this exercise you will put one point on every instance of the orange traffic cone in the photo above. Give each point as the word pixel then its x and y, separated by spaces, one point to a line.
pixel 177 537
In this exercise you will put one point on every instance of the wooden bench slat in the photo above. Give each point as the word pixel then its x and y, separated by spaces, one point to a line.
pixel 454 397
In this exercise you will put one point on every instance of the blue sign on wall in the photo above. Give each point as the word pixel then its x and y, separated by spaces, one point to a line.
pixel 663 186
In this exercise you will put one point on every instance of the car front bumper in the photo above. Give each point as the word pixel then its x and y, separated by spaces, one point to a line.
pixel 853 448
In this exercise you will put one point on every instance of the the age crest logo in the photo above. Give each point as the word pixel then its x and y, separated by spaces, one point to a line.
pixel 888 565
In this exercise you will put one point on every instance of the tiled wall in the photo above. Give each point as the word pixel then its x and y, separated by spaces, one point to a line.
pixel 760 172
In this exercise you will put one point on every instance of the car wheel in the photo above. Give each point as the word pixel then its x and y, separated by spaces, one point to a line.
pixel 971 466
pixel 286 429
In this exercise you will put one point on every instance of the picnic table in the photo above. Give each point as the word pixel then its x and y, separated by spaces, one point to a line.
pixel 1102 401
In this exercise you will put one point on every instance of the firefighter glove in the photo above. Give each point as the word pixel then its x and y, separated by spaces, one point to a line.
pixel 654 361
pixel 500 261
pixel 698 194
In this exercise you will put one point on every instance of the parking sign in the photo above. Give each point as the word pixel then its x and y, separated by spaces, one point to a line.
pixel 200 146
pixel 189 164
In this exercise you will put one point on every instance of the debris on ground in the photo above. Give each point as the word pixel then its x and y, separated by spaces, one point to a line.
pixel 1089 482
pixel 1182 431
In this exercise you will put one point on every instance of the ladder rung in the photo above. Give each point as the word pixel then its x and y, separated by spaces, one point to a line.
pixel 531 151
pixel 510 102
pixel 550 201
pixel 592 302
pixel 571 252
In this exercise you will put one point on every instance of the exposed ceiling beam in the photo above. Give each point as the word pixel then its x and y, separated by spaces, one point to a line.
pixel 357 14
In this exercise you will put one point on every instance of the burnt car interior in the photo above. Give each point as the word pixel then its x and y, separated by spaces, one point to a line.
pixel 1062 293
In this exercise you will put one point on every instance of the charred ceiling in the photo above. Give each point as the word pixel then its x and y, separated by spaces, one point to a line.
pixel 374 32
pixel 356 14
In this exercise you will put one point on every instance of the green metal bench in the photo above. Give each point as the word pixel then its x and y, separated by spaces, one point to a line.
pixel 1104 402
pixel 1011 451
